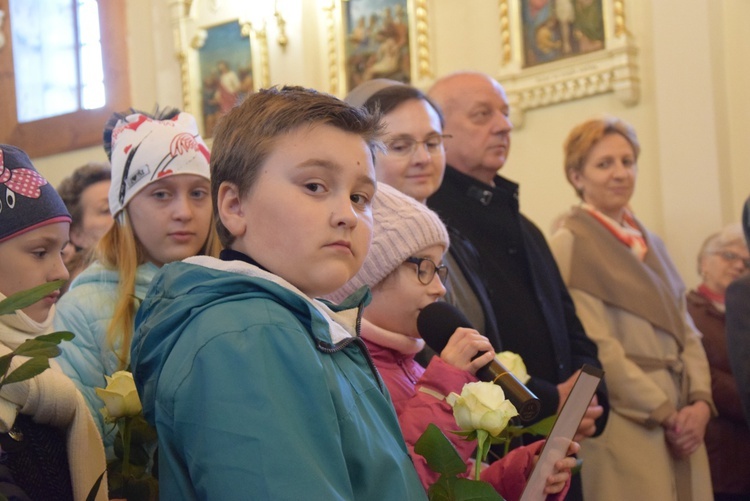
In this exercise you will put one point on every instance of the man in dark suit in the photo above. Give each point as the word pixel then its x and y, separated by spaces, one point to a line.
pixel 737 301
pixel 534 312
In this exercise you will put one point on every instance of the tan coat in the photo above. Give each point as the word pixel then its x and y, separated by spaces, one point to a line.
pixel 653 360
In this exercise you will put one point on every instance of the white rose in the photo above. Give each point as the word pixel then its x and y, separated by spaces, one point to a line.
pixel 120 396
pixel 514 363
pixel 482 406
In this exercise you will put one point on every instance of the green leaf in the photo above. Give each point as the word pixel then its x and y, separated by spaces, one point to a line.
pixel 145 489
pixel 27 370
pixel 441 490
pixel 56 337
pixel 462 489
pixel 483 443
pixel 541 428
pixel 472 490
pixel 5 363
pixel 21 300
pixel 141 432
pixel 467 434
pixel 95 489
pixel 439 452
pixel 32 348
pixel 138 457
pixel 44 346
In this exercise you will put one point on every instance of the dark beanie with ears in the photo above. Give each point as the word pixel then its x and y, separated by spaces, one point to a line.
pixel 27 200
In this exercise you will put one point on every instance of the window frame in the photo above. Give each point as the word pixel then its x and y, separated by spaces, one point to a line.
pixel 80 129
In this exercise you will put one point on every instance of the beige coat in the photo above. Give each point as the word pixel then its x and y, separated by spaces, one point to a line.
pixel 653 360
pixel 52 398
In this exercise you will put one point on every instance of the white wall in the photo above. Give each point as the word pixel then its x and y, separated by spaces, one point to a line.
pixel 692 118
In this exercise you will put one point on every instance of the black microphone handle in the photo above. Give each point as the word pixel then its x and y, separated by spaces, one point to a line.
pixel 526 403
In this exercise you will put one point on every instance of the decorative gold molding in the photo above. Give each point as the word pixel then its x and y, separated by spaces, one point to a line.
pixel 261 39
pixel 282 39
pixel 505 43
pixel 333 51
pixel 618 9
pixel 424 61
pixel 182 59
pixel 611 69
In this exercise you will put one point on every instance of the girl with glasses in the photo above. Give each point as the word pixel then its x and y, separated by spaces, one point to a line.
pixel 405 273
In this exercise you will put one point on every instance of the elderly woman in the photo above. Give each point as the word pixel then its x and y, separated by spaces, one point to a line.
pixel 630 300
pixel 723 257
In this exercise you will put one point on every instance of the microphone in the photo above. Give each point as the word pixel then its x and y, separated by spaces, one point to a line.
pixel 438 321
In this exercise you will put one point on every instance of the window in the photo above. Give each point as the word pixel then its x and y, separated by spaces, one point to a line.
pixel 67 75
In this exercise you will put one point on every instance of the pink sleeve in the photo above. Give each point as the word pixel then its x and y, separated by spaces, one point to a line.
pixel 508 475
pixel 427 405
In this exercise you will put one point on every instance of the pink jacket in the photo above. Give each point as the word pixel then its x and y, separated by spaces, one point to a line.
pixel 416 393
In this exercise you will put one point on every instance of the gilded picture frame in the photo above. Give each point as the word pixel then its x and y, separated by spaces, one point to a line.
pixel 559 50
pixel 377 39
pixel 221 61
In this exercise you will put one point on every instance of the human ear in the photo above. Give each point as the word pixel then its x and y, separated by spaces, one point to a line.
pixel 575 180
pixel 75 236
pixel 231 212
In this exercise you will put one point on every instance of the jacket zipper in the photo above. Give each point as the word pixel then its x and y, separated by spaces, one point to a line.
pixel 333 348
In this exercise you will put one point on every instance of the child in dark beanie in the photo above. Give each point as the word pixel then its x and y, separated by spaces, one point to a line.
pixel 50 444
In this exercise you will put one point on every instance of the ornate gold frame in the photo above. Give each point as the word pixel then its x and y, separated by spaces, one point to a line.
pixel 189 36
pixel 611 69
pixel 421 72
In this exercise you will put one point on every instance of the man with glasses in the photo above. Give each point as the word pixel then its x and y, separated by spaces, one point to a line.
pixel 532 307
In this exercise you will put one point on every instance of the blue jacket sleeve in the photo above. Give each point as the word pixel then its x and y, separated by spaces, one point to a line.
pixel 82 359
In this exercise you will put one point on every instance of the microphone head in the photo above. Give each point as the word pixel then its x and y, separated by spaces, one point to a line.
pixel 438 321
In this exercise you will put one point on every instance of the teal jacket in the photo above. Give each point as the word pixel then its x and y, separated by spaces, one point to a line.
pixel 252 399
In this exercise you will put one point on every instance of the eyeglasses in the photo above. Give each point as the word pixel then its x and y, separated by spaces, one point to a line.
pixel 406 146
pixel 733 257
pixel 426 269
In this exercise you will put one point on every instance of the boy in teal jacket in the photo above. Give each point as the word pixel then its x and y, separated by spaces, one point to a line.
pixel 257 389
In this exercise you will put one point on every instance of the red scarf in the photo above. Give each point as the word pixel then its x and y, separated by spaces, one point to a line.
pixel 710 295
pixel 626 232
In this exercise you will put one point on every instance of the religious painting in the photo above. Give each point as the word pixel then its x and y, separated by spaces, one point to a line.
pixel 557 29
pixel 553 51
pixel 225 70
pixel 377 41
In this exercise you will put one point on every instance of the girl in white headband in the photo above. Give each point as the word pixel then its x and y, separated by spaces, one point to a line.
pixel 160 198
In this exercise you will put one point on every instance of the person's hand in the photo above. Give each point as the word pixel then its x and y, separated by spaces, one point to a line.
pixel 562 472
pixel 686 428
pixel 564 389
pixel 463 345
pixel 587 428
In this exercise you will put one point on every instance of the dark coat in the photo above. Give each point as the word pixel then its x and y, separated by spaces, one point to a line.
pixel 727 435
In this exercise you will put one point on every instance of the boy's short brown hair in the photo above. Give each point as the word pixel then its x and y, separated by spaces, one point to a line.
pixel 245 137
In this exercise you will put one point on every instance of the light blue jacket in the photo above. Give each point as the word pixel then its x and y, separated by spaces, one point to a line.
pixel 86 310
pixel 252 399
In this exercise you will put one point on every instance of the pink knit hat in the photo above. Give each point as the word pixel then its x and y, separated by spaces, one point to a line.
pixel 402 228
